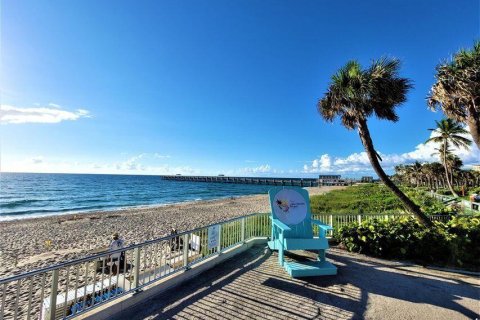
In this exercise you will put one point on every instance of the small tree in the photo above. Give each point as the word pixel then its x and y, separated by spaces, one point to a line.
pixel 449 132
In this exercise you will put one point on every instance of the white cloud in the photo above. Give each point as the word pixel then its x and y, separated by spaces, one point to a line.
pixel 170 170
pixel 132 165
pixel 51 114
pixel 357 163
pixel 37 160
pixel 140 163
pixel 265 168
pixel 161 156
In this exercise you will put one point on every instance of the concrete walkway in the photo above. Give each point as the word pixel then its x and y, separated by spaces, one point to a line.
pixel 254 286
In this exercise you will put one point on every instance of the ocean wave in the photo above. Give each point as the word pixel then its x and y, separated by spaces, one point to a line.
pixel 34 212
pixel 18 203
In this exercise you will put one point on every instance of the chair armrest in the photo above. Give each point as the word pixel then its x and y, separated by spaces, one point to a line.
pixel 319 223
pixel 282 226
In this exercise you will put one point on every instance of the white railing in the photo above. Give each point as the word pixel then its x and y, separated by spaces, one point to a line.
pixel 441 197
pixel 468 207
pixel 71 288
pixel 74 287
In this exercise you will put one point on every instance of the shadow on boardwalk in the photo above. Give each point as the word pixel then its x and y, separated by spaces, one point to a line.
pixel 254 286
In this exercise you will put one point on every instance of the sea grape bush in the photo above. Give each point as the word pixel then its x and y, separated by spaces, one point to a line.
pixel 454 244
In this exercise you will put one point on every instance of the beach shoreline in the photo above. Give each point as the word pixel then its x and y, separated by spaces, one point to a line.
pixel 32 243
pixel 74 214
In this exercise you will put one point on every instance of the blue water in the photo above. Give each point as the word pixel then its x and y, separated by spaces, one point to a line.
pixel 26 195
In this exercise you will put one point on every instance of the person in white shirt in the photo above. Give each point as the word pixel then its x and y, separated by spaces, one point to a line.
pixel 116 244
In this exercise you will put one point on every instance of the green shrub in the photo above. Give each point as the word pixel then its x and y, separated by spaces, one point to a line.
pixel 466 240
pixel 475 190
pixel 456 243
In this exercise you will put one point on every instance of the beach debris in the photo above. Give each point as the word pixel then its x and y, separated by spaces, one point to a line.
pixel 48 244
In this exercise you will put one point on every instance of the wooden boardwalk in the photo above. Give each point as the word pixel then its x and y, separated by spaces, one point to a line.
pixel 254 286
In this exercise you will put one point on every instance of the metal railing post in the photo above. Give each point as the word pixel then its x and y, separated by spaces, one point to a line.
pixel 185 250
pixel 136 280
pixel 53 294
pixel 243 229
pixel 330 223
pixel 219 247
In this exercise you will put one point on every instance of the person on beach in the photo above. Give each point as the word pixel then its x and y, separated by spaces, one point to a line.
pixel 177 242
pixel 115 258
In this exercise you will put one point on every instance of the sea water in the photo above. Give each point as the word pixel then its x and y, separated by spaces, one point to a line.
pixel 27 195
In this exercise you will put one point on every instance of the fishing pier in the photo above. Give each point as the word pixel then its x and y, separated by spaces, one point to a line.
pixel 301 182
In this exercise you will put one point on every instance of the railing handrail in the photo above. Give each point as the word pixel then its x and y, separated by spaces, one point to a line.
pixel 164 238
pixel 109 252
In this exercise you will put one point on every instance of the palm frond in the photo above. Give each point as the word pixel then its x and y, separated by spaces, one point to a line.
pixel 457 87
pixel 355 93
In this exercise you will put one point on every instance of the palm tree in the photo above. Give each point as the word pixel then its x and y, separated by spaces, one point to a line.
pixel 449 132
pixel 433 171
pixel 417 172
pixel 403 174
pixel 445 155
pixel 437 169
pixel 400 174
pixel 454 164
pixel 457 89
pixel 355 94
pixel 427 171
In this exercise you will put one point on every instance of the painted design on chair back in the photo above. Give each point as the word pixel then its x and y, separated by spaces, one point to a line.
pixel 290 206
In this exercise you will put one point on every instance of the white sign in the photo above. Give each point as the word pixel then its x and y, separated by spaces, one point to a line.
pixel 195 242
pixel 290 207
pixel 213 236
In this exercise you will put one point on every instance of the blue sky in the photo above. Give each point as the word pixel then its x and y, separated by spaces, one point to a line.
pixel 166 87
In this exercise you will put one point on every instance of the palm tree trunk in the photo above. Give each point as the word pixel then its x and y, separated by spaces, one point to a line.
pixel 446 170
pixel 473 121
pixel 372 156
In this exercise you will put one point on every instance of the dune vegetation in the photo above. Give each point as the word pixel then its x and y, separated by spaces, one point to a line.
pixel 373 198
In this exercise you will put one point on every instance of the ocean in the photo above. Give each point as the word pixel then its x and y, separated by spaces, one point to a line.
pixel 27 195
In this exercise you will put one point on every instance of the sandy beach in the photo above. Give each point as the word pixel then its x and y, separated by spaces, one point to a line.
pixel 34 243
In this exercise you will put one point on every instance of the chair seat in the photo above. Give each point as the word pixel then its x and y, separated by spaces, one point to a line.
pixel 305 244
pixel 300 244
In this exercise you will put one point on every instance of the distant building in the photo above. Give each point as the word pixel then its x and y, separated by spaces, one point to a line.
pixel 476 167
pixel 366 179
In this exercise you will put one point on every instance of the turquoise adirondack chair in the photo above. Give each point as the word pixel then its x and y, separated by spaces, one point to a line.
pixel 292 229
